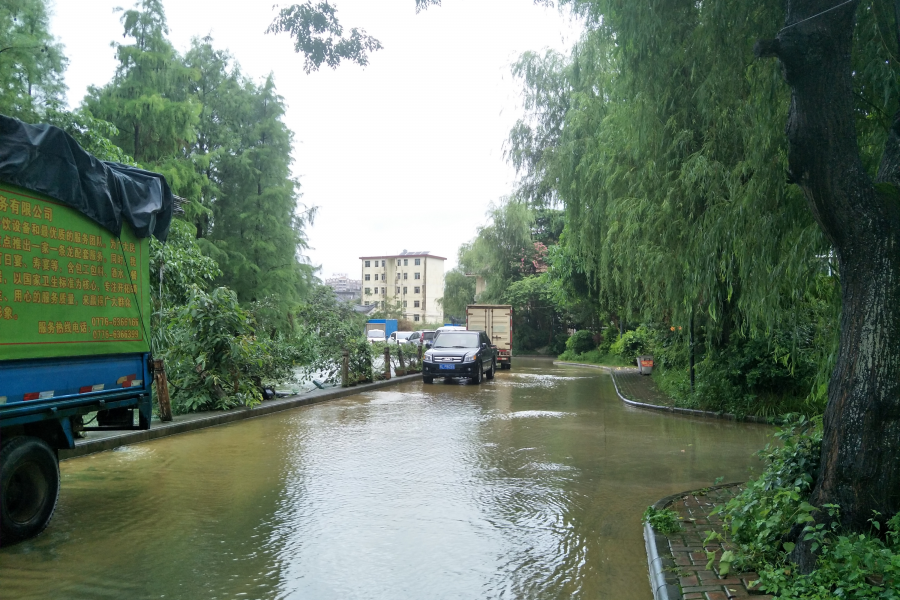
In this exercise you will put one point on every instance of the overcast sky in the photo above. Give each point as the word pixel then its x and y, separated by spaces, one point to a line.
pixel 406 153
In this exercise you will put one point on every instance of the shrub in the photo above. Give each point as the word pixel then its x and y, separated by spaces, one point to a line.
pixel 633 344
pixel 581 342
pixel 759 521
pixel 214 359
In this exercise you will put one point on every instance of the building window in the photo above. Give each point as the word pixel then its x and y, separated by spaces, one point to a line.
pixel 367 277
pixel 404 289
pixel 383 290
pixel 367 263
pixel 416 304
pixel 418 261
pixel 368 291
pixel 376 276
pixel 418 290
pixel 418 276
pixel 405 262
pixel 382 304
pixel 406 276
pixel 404 304
pixel 382 263
pixel 398 262
pixel 415 317
pixel 398 290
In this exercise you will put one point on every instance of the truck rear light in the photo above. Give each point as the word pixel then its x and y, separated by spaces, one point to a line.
pixel 91 388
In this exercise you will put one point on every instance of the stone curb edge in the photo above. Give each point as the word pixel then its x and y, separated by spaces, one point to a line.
pixel 221 418
pixel 660 565
pixel 675 409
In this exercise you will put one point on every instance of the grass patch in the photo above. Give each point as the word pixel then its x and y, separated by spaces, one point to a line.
pixel 714 394
pixel 594 357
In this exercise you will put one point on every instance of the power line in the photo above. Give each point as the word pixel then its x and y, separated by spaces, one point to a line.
pixel 817 15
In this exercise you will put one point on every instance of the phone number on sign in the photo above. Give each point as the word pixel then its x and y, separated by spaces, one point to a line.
pixel 116 334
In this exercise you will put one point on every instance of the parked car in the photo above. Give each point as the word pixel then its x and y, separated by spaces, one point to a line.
pixel 400 337
pixel 375 335
pixel 421 337
pixel 460 353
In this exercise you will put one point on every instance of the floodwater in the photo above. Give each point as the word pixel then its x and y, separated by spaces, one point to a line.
pixel 528 486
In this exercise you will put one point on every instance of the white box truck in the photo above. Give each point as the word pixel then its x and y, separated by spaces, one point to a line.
pixel 496 321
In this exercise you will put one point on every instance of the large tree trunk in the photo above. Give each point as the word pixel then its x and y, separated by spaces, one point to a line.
pixel 860 468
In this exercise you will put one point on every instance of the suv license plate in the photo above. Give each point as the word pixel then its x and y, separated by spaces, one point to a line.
pixel 448 367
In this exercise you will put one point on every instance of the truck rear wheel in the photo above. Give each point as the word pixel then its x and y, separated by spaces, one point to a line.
pixel 29 488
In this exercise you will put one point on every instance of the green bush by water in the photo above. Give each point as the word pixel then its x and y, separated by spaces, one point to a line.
pixel 757 522
pixel 663 521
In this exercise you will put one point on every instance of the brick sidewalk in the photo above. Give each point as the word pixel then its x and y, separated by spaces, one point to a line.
pixel 687 551
pixel 640 388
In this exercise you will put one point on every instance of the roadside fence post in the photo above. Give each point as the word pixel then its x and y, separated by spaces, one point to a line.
pixel 387 362
pixel 162 390
pixel 345 367
pixel 402 370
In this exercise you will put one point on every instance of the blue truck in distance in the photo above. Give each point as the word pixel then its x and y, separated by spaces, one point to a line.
pixel 74 308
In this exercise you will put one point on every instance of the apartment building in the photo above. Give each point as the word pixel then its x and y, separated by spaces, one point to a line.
pixel 414 280
pixel 348 290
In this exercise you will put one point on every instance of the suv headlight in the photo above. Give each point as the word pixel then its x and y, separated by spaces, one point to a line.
pixel 470 356
pixel 427 357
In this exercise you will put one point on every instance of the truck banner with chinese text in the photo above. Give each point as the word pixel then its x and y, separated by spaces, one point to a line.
pixel 68 287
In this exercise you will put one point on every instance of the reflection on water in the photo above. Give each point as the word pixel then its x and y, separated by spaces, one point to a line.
pixel 527 486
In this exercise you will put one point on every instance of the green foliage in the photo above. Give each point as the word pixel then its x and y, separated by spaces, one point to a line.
pixel 214 360
pixel 31 61
pixel 94 135
pixel 330 326
pixel 594 357
pixel 762 515
pixel 663 521
pixel 857 566
pixel 459 292
pixel 581 342
pixel 147 99
pixel 182 266
pixel 632 344
pixel 318 35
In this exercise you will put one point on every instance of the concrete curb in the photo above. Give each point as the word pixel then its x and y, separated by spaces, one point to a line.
pixel 197 421
pixel 660 565
pixel 675 409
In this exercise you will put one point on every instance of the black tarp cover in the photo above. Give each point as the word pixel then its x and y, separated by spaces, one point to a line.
pixel 46 159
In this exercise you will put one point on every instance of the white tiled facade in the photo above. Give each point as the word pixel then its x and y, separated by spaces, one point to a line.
pixel 415 279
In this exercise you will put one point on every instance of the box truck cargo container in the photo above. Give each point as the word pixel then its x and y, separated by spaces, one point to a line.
pixel 74 308
pixel 496 321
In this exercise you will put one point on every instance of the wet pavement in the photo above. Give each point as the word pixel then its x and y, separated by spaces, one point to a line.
pixel 528 486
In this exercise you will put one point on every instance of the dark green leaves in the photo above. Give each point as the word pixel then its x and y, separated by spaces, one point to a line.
pixel 319 36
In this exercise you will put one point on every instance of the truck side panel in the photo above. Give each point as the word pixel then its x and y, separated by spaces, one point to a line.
pixel 47 379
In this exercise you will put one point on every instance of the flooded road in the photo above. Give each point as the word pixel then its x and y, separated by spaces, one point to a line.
pixel 528 486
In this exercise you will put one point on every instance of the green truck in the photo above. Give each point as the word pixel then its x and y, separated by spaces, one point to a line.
pixel 74 308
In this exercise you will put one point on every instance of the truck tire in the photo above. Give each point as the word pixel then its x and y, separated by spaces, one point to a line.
pixel 427 379
pixel 29 488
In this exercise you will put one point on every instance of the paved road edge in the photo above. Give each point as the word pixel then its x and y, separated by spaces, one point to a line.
pixel 197 421
pixel 660 564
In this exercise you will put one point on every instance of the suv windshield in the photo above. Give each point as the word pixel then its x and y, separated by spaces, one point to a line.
pixel 428 335
pixel 453 339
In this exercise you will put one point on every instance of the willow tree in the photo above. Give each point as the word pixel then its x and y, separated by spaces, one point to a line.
pixel 682 192
pixel 818 49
